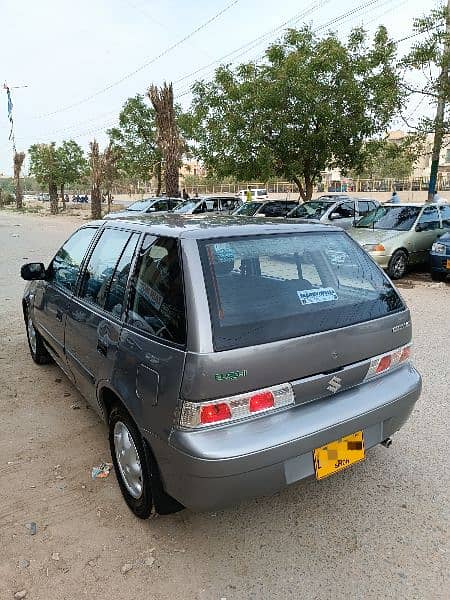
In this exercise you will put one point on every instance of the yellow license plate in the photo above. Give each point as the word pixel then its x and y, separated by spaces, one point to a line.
pixel 448 263
pixel 339 455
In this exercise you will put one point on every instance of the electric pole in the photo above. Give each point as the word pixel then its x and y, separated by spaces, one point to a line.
pixel 440 112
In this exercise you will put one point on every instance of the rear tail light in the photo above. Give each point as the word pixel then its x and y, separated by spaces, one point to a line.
pixel 234 408
pixel 386 362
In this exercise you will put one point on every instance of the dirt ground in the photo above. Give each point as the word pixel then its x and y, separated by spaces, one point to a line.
pixel 379 529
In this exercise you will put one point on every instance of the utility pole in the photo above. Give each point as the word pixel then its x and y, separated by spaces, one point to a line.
pixel 440 112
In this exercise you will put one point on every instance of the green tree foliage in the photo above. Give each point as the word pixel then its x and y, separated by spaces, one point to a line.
pixel 431 57
pixel 135 140
pixel 310 105
pixel 44 165
pixel 55 167
pixel 385 159
pixel 138 157
pixel 72 164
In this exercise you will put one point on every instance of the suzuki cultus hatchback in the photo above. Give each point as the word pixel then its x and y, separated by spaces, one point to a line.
pixel 229 358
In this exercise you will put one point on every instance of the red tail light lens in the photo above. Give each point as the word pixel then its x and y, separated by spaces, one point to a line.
pixel 261 401
pixel 406 354
pixel 211 413
pixel 384 364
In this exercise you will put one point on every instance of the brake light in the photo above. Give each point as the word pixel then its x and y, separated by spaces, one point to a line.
pixel 212 413
pixel 261 401
pixel 386 362
pixel 234 408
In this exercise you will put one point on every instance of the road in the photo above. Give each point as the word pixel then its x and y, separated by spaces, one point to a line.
pixel 379 529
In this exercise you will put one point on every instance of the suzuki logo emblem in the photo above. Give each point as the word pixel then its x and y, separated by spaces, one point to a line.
pixel 334 385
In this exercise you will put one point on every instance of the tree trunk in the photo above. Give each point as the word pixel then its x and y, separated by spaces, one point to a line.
pixel 53 193
pixel 108 196
pixel 19 157
pixel 158 175
pixel 1 198
pixel 63 197
pixel 96 202
pixel 168 138
pixel 306 190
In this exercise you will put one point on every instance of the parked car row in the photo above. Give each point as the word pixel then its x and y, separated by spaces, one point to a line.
pixel 397 236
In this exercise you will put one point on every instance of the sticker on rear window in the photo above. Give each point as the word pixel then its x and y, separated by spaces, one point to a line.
pixel 317 295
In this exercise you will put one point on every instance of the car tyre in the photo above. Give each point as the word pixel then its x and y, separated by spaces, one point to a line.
pixel 438 276
pixel 398 264
pixel 136 469
pixel 36 345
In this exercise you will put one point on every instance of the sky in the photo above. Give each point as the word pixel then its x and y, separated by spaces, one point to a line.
pixel 81 60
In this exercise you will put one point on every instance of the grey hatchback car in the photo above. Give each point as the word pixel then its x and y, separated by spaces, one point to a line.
pixel 229 358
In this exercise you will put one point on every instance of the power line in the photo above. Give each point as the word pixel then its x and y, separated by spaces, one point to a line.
pixel 333 21
pixel 144 65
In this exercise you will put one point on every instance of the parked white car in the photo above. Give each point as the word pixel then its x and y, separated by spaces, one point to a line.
pixel 257 194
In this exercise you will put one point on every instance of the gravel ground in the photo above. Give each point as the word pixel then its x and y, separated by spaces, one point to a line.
pixel 379 529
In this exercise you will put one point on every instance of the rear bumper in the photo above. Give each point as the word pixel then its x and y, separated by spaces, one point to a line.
pixel 206 470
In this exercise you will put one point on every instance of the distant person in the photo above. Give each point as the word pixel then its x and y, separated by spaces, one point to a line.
pixel 185 194
pixel 395 198
pixel 248 195
pixel 196 195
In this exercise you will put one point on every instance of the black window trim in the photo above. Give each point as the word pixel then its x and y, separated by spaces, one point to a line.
pixel 92 305
pixel 133 275
pixel 61 288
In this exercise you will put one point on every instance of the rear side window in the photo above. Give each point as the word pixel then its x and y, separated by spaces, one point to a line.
pixel 157 300
pixel 267 288
pixel 116 293
pixel 100 269
pixel 65 267
pixel 429 219
pixel 345 210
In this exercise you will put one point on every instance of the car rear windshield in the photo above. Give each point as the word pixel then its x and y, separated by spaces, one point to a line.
pixel 248 209
pixel 310 210
pixel 140 205
pixel 399 218
pixel 272 287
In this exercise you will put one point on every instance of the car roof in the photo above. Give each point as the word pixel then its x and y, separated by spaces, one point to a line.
pixel 414 204
pixel 207 226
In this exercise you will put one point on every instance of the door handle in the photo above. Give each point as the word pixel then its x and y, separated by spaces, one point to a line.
pixel 59 314
pixel 102 347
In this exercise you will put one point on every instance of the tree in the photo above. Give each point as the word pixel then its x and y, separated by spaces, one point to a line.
pixel 308 106
pixel 432 56
pixel 168 138
pixel 138 156
pixel 72 165
pixel 384 159
pixel 44 165
pixel 19 157
pixel 96 173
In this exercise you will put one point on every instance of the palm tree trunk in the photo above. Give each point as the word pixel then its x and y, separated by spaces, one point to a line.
pixel 19 157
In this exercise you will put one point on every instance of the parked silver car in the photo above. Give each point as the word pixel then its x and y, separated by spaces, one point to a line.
pixel 229 357
pixel 156 205
pixel 336 210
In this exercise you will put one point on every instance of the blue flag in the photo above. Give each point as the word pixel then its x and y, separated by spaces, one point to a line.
pixel 10 107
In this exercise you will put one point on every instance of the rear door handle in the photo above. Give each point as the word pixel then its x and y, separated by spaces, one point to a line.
pixel 102 348
pixel 59 314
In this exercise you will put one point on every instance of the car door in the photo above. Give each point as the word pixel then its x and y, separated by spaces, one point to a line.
pixel 95 315
pixel 151 355
pixel 427 229
pixel 53 296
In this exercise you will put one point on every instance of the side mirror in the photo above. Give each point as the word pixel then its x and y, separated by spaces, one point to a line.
pixel 334 215
pixel 421 227
pixel 32 271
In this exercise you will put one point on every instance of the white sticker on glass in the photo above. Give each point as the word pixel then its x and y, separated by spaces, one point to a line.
pixel 317 295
